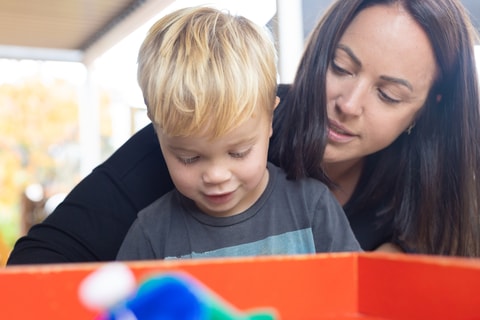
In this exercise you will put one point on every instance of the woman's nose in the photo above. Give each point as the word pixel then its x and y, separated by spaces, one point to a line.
pixel 352 99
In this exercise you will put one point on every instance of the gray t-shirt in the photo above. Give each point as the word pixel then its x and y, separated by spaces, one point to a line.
pixel 290 217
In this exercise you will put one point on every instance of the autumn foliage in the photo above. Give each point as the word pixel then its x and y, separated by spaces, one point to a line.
pixel 38 144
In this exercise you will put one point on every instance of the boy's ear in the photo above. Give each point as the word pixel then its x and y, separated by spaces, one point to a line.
pixel 277 101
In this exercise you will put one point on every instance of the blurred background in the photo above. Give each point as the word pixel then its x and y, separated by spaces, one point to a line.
pixel 68 90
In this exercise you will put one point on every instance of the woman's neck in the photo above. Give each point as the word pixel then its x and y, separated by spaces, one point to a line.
pixel 345 176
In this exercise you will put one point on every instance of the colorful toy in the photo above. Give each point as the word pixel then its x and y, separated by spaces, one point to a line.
pixel 166 296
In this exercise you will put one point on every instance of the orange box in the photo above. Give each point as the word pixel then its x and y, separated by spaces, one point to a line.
pixel 324 286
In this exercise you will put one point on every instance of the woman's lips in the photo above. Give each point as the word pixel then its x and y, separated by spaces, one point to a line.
pixel 338 133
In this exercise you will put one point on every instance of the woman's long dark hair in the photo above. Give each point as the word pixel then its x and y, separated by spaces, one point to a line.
pixel 428 180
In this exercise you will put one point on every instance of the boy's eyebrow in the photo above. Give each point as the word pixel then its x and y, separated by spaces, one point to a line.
pixel 357 61
pixel 177 148
pixel 234 143
pixel 243 140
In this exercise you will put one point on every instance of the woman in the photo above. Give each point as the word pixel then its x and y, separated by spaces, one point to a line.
pixel 397 81
pixel 395 84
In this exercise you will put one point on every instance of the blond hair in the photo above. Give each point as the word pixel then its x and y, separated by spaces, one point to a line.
pixel 203 69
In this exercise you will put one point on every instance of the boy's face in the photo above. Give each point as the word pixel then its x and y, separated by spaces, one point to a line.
pixel 225 175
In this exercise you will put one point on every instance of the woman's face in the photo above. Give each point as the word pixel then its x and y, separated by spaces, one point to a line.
pixel 378 80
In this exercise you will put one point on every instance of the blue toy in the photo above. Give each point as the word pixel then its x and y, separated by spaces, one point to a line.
pixel 167 296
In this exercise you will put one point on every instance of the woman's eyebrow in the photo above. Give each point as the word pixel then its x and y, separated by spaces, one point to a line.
pixel 402 82
pixel 350 54
pixel 357 61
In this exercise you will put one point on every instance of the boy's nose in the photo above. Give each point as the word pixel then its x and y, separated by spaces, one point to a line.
pixel 216 174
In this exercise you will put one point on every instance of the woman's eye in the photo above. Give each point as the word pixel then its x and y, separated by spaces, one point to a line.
pixel 188 160
pixel 239 155
pixel 339 70
pixel 385 97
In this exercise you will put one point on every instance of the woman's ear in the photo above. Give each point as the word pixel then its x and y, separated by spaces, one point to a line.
pixel 439 98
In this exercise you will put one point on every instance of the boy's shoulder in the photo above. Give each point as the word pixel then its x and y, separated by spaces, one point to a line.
pixel 162 206
pixel 310 184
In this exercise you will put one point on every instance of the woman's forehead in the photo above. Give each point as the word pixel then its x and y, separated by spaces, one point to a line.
pixel 388 41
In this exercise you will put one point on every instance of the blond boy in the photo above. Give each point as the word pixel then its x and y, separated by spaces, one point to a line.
pixel 209 82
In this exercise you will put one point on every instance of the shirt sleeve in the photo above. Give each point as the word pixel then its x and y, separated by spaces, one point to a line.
pixel 332 231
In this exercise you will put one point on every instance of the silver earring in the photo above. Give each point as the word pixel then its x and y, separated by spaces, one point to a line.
pixel 410 127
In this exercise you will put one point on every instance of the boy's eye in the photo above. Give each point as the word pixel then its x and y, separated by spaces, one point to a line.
pixel 188 160
pixel 239 155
